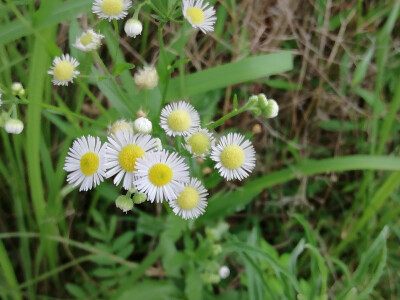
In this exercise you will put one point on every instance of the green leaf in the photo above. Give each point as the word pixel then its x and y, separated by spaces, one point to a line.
pixel 149 290
pixel 122 241
pixel 119 68
pixel 193 286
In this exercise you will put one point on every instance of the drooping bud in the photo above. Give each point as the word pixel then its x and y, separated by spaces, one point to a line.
pixel 124 203
pixel 13 126
pixel 139 198
pixel 272 109
pixel 133 27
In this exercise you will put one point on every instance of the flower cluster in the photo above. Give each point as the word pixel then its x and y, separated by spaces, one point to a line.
pixel 135 159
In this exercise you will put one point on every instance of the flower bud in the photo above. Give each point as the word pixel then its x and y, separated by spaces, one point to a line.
pixel 133 27
pixel 17 89
pixel 119 126
pixel 262 101
pixel 272 109
pixel 256 111
pixel 224 272
pixel 210 278
pixel 142 125
pixel 124 203
pixel 14 126
pixel 253 101
pixel 139 198
pixel 146 78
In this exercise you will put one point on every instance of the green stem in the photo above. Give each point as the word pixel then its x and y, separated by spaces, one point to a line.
pixel 227 116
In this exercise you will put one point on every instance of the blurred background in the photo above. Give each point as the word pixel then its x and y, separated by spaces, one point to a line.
pixel 318 219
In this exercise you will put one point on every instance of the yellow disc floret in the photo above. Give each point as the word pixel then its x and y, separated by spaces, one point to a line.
pixel 86 39
pixel 160 174
pixel 89 163
pixel 64 71
pixel 112 7
pixel 179 120
pixel 196 15
pixel 199 143
pixel 128 156
pixel 232 157
pixel 188 198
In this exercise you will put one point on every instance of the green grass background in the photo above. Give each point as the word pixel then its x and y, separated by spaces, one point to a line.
pixel 317 220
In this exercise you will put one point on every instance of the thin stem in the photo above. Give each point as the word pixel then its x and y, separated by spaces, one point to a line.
pixel 115 22
pixel 227 116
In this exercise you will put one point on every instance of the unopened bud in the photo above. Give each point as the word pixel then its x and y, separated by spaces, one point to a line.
pixel 17 89
pixel 139 198
pixel 133 27
pixel 262 101
pixel 119 125
pixel 256 129
pixel 142 125
pixel 140 113
pixel 224 272
pixel 207 170
pixel 13 126
pixel 253 101
pixel 272 109
pixel 124 203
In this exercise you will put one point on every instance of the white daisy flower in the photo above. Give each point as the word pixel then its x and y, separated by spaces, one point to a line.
pixel 86 163
pixel 64 70
pixel 200 142
pixel 161 175
pixel 88 41
pixel 199 15
pixel 179 118
pixel 235 156
pixel 191 202
pixel 146 78
pixel 123 150
pixel 111 9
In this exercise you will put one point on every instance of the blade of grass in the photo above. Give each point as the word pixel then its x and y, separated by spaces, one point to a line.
pixel 8 271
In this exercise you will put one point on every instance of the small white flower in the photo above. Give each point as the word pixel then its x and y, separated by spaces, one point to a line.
pixel 235 156
pixel 146 78
pixel 86 163
pixel 161 175
pixel 13 126
pixel 64 70
pixel 199 15
pixel 142 125
pixel 88 41
pixel 17 89
pixel 179 118
pixel 200 142
pixel 119 125
pixel 111 9
pixel 191 202
pixel 124 149
pixel 224 272
pixel 133 27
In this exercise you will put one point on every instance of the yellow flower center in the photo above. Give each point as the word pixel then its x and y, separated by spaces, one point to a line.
pixel 119 125
pixel 232 157
pixel 89 163
pixel 128 157
pixel 188 198
pixel 64 71
pixel 160 174
pixel 200 143
pixel 112 7
pixel 196 15
pixel 87 39
pixel 179 120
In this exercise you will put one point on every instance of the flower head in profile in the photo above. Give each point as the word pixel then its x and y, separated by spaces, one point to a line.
pixel 111 9
pixel 146 78
pixel 124 149
pixel 64 70
pixel 86 163
pixel 191 202
pixel 88 41
pixel 199 142
pixel 199 15
pixel 235 156
pixel 179 118
pixel 161 175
